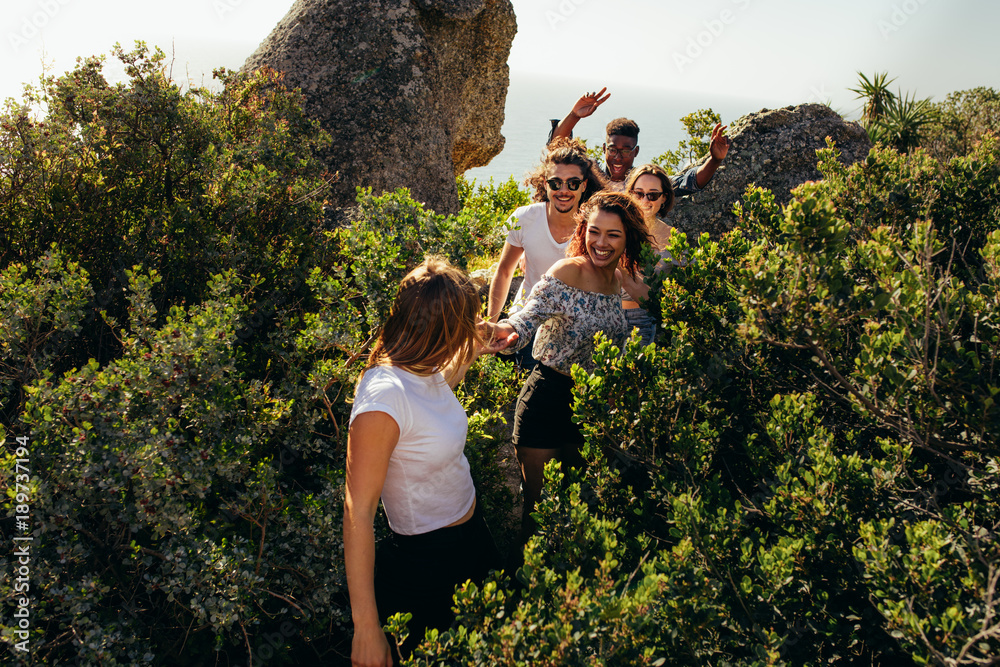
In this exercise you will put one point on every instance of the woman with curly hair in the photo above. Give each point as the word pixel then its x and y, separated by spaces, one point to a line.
pixel 576 298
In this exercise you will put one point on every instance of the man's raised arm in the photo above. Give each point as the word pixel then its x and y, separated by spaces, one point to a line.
pixel 586 105
pixel 718 149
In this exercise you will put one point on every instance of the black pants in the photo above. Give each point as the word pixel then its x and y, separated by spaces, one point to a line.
pixel 418 573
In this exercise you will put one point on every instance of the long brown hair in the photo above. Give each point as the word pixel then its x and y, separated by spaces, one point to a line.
pixel 622 205
pixel 432 321
pixel 668 189
pixel 566 151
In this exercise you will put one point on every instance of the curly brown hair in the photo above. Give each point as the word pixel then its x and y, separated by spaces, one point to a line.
pixel 566 151
pixel 668 189
pixel 636 232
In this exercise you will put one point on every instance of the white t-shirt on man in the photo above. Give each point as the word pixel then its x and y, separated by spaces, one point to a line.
pixel 529 229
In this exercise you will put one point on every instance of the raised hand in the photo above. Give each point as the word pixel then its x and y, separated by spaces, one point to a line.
pixel 588 103
pixel 720 142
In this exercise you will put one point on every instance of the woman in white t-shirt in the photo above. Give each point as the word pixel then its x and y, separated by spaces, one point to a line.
pixel 405 446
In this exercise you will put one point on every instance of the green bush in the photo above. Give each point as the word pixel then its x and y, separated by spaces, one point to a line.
pixel 805 470
pixel 189 183
pixel 899 120
pixel 183 388
pixel 960 121
pixel 698 126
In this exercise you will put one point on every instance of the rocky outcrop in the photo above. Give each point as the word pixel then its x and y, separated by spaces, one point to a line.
pixel 772 148
pixel 412 92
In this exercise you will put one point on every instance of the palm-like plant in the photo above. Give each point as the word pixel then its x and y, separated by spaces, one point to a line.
pixel 877 96
pixel 893 119
pixel 903 121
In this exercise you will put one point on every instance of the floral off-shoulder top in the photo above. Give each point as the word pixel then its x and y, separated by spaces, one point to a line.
pixel 567 319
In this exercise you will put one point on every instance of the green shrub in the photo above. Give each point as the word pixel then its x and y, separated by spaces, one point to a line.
pixel 960 122
pixel 806 465
pixel 485 209
pixel 578 606
pixel 187 183
pixel 183 388
pixel 698 126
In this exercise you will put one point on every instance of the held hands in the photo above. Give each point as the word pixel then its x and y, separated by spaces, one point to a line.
pixel 588 103
pixel 496 336
pixel 720 143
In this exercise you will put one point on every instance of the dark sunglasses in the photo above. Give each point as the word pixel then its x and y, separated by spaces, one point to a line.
pixel 556 183
pixel 651 196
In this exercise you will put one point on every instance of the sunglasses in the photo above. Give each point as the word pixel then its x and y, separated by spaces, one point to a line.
pixel 556 183
pixel 621 152
pixel 651 196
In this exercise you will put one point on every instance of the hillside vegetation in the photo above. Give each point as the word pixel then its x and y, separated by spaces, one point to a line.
pixel 803 471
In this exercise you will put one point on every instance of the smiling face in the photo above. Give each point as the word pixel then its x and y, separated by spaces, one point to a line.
pixel 645 184
pixel 619 154
pixel 605 238
pixel 565 200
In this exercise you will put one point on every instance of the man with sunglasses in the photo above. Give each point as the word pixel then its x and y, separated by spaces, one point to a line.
pixel 540 232
pixel 621 146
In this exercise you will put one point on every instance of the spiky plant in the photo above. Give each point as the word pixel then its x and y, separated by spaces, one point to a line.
pixel 877 96
pixel 903 122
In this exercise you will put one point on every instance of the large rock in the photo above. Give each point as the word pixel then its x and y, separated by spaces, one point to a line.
pixel 772 148
pixel 411 91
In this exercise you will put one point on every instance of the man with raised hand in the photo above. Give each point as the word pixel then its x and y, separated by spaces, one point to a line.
pixel 621 146
pixel 540 232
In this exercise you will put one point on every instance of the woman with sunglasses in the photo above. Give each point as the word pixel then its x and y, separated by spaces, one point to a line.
pixel 651 187
pixel 576 298
pixel 540 232
pixel 405 447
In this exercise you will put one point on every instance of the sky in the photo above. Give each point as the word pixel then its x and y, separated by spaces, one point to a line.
pixel 778 51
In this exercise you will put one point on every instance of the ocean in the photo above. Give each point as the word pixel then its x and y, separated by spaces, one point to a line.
pixel 532 101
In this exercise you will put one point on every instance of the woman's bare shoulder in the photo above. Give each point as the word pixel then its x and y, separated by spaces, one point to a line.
pixel 569 271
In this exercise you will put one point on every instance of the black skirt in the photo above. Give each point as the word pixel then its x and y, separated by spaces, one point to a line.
pixel 544 415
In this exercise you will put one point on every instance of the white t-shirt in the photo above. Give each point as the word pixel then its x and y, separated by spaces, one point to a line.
pixel 529 229
pixel 428 484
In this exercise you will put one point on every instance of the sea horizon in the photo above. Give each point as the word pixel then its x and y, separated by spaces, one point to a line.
pixel 533 100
